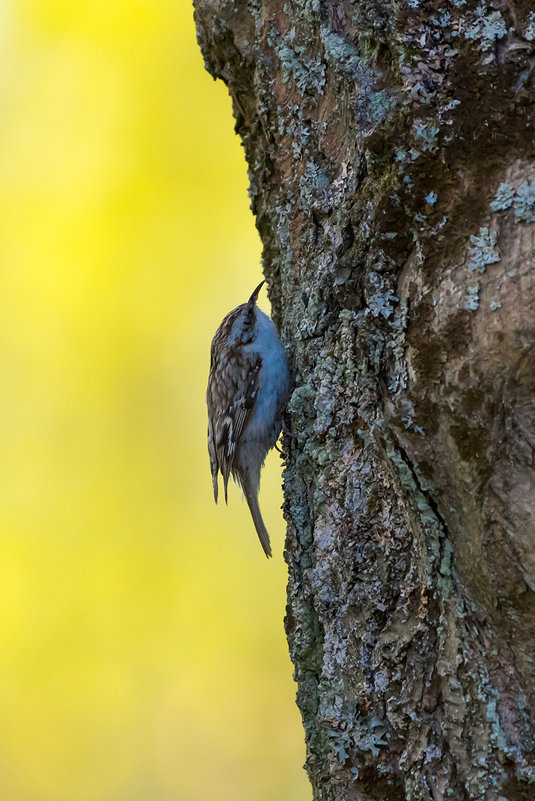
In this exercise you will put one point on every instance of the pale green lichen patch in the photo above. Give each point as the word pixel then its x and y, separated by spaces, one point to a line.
pixel 524 202
pixel 381 299
pixel 472 303
pixel 426 132
pixel 483 250
pixel 487 28
pixel 529 33
pixel 521 199
pixel 504 197
pixel 306 73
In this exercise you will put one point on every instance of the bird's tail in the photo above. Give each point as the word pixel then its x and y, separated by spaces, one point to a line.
pixel 251 496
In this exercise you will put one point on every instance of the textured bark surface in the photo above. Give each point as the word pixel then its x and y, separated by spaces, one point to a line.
pixel 392 168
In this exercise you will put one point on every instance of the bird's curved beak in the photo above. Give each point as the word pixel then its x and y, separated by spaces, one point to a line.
pixel 252 300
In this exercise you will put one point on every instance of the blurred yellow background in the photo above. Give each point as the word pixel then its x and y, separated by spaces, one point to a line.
pixel 142 655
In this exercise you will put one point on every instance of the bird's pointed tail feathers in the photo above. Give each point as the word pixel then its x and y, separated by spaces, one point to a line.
pixel 252 501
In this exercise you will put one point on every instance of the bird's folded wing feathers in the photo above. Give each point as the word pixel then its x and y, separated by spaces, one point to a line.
pixel 237 419
pixel 230 422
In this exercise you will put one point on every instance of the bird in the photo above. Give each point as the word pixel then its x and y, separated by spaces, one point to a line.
pixel 248 389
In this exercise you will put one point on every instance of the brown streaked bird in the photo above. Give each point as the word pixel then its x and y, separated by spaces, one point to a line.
pixel 248 387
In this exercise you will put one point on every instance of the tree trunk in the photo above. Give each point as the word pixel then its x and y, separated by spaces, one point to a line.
pixel 391 149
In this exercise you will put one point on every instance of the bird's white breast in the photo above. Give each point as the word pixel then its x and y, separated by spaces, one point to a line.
pixel 273 378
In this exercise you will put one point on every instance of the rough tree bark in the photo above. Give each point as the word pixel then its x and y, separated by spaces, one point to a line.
pixel 392 175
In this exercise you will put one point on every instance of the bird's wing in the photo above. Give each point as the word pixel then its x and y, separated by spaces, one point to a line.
pixel 212 452
pixel 230 416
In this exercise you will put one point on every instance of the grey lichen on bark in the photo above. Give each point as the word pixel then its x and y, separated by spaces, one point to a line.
pixel 391 153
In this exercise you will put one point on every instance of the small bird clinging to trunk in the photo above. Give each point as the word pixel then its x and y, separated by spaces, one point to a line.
pixel 248 387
